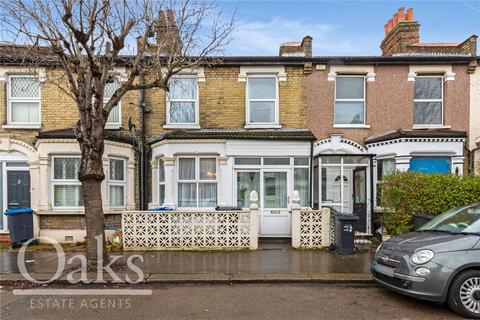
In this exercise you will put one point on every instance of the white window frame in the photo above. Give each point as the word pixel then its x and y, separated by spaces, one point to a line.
pixel 114 125
pixel 186 125
pixel 433 125
pixel 275 123
pixel 10 100
pixel 197 180
pixel 161 165
pixel 67 182
pixel 364 100
pixel 122 183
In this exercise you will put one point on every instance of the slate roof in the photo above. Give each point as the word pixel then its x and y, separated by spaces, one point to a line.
pixel 238 134
pixel 67 133
pixel 410 133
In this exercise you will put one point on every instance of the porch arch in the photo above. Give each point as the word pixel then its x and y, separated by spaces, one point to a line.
pixel 8 145
pixel 336 144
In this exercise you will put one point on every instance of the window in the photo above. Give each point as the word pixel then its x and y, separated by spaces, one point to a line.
pixel 161 182
pixel 67 189
pixel 116 189
pixel 384 168
pixel 350 100
pixel 182 102
pixel 301 180
pixel 428 100
pixel 262 104
pixel 23 100
pixel 114 118
pixel 197 182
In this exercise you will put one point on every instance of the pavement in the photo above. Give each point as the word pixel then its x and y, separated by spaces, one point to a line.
pixel 273 262
pixel 246 301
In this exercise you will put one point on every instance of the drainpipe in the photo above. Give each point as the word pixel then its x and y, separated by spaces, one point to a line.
pixel 142 176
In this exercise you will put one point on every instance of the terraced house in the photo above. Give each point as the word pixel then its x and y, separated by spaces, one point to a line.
pixel 408 109
pixel 328 127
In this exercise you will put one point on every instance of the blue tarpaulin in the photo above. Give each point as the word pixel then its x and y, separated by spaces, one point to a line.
pixel 161 209
pixel 14 211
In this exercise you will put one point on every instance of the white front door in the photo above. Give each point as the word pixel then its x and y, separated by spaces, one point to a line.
pixel 275 203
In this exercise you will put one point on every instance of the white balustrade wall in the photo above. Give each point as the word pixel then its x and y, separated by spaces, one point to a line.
pixel 312 229
pixel 191 230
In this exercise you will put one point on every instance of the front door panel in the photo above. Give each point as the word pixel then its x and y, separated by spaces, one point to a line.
pixel 276 218
pixel 18 189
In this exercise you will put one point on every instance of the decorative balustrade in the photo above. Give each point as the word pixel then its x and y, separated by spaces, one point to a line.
pixel 311 229
pixel 191 230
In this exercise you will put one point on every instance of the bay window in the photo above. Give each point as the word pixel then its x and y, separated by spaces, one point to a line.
pixel 67 189
pixel 349 100
pixel 23 100
pixel 262 100
pixel 117 182
pixel 197 182
pixel 182 101
pixel 428 100
pixel 385 167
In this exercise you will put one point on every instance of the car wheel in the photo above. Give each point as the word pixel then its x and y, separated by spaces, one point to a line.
pixel 464 295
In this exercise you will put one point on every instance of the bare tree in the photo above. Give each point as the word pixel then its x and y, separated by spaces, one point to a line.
pixel 87 39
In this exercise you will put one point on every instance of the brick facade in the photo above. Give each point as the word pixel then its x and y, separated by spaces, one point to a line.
pixel 389 102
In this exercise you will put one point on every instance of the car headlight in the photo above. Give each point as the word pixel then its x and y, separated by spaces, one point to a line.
pixel 422 256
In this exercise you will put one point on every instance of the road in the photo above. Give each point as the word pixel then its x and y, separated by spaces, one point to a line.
pixel 239 301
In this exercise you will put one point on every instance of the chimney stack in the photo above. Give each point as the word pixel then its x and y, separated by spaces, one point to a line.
pixel 400 32
pixel 297 49
pixel 167 34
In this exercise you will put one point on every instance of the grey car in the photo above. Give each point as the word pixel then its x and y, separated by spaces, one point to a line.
pixel 439 262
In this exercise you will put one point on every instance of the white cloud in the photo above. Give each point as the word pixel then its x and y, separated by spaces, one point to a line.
pixel 265 37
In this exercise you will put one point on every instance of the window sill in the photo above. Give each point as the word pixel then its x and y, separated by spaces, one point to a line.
pixel 181 126
pixel 430 126
pixel 22 126
pixel 352 126
pixel 263 126
pixel 113 126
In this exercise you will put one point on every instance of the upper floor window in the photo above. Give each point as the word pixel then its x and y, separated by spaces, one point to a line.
pixel 262 102
pixel 428 100
pixel 23 99
pixel 117 182
pixel 197 182
pixel 182 101
pixel 114 118
pixel 67 189
pixel 350 100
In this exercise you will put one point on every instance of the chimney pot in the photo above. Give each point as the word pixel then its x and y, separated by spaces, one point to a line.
pixel 390 25
pixel 395 19
pixel 401 14
pixel 385 27
pixel 410 14
pixel 170 19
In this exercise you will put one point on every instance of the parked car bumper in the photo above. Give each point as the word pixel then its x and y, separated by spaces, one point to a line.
pixel 412 286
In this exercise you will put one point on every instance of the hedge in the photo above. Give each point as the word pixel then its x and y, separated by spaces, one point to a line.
pixel 405 194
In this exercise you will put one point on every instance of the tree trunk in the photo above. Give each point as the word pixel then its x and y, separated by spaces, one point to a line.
pixel 91 175
pixel 95 222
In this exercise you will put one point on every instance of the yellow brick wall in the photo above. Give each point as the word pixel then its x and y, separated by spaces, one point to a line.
pixel 221 96
pixel 222 101
pixel 58 109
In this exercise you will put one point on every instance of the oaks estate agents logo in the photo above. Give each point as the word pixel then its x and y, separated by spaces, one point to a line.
pixel 81 275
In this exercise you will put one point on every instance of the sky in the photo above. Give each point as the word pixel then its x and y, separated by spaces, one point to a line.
pixel 342 27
